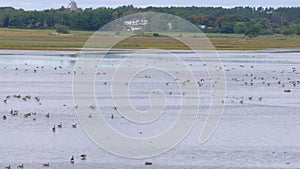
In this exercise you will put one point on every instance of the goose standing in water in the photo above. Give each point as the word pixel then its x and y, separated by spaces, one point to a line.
pixel 46 165
pixel 53 129
pixel 93 107
pixel 37 99
pixel 83 156
pixel 60 125
pixel 148 163
pixel 72 160
pixel 21 166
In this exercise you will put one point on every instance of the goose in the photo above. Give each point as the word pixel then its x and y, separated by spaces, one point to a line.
pixel 74 125
pixel 53 129
pixel 46 165
pixel 59 125
pixel 4 117
pixel 83 155
pixel 48 115
pixel 8 167
pixel 37 99
pixel 21 166
pixel 92 106
pixel 14 112
pixel 112 116
pixel 148 163
pixel 72 160
pixel 27 115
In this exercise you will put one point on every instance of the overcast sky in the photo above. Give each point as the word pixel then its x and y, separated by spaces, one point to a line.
pixel 47 4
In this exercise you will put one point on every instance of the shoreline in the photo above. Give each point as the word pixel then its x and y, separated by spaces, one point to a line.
pixel 73 51
pixel 36 39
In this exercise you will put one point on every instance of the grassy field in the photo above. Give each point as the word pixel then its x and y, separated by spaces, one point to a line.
pixel 50 40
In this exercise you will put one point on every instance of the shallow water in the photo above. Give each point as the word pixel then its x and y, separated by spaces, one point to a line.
pixel 256 134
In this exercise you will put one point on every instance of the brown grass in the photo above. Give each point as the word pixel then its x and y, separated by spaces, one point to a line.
pixel 49 40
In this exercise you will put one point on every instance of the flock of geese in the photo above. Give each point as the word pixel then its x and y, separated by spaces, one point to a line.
pixel 72 161
pixel 15 112
pixel 278 80
pixel 249 79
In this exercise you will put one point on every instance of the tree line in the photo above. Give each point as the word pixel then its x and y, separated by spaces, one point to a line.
pixel 250 21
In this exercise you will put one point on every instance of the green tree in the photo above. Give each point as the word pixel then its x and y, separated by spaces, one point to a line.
pixel 216 19
pixel 240 27
pixel 253 30
pixel 296 29
pixel 227 27
pixel 285 30
pixel 62 29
